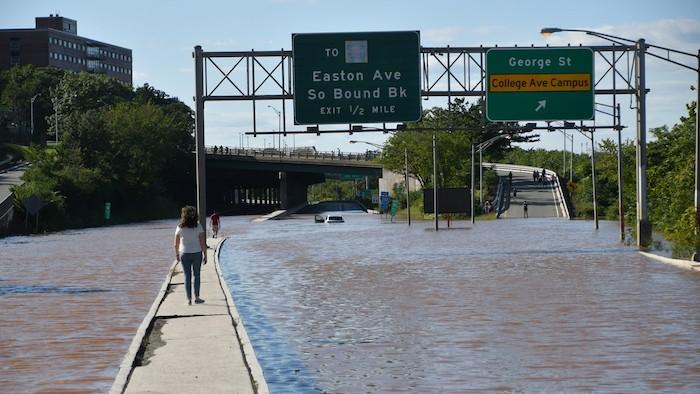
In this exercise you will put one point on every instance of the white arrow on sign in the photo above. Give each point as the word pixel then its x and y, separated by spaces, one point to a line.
pixel 542 104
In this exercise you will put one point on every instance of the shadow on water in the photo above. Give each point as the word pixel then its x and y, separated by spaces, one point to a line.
pixel 20 289
pixel 282 365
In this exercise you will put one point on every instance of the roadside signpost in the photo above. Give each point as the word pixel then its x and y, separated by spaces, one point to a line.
pixel 539 84
pixel 356 77
pixel 384 199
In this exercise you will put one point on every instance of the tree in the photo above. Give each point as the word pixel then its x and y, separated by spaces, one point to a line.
pixel 458 127
pixel 82 92
pixel 671 169
pixel 17 87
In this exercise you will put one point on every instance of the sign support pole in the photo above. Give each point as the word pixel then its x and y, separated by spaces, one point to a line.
pixel 696 255
pixel 200 152
pixel 643 224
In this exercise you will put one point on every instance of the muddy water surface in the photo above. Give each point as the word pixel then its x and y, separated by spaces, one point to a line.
pixel 71 302
pixel 539 305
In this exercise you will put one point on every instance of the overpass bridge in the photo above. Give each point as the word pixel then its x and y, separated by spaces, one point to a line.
pixel 261 180
pixel 544 199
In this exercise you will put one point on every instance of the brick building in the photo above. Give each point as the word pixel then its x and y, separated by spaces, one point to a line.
pixel 55 42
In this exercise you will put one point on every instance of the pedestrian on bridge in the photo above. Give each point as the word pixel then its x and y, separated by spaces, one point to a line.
pixel 215 221
pixel 190 250
pixel 525 209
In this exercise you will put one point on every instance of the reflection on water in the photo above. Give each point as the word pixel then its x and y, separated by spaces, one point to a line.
pixel 71 302
pixel 511 305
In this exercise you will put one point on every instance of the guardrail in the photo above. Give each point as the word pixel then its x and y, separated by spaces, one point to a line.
pixel 291 153
pixel 6 209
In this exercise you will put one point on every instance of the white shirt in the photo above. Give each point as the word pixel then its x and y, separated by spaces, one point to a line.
pixel 189 238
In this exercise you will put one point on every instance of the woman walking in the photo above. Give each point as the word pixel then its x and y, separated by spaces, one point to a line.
pixel 190 250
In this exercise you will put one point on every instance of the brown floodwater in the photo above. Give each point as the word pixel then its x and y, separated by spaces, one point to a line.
pixel 538 305
pixel 70 303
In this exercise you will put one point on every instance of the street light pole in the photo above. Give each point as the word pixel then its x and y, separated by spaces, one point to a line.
pixel 563 167
pixel 643 223
pixel 408 196
pixel 435 184
pixel 595 196
pixel 481 179
pixel 32 111
pixel 55 115
pixel 621 205
pixel 472 188
pixel 279 128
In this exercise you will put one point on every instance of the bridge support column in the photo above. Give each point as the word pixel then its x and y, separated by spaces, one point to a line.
pixel 284 197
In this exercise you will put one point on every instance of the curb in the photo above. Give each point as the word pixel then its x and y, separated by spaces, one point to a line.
pixel 685 264
pixel 251 360
pixel 127 364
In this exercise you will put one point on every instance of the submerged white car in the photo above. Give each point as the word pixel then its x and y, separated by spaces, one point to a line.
pixel 334 219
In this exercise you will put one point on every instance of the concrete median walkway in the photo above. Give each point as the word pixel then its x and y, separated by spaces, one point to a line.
pixel 198 348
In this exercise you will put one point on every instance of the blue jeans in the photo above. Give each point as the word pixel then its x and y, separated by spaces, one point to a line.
pixel 191 264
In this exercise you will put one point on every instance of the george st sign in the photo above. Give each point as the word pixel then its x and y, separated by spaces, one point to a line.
pixel 539 84
pixel 356 77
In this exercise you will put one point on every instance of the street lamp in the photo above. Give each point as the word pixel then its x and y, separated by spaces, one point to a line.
pixel 366 142
pixel 279 128
pixel 643 225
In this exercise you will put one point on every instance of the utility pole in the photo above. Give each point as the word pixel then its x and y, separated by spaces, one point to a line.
pixel 435 183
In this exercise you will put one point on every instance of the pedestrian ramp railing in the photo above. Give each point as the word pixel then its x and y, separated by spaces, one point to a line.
pixel 502 196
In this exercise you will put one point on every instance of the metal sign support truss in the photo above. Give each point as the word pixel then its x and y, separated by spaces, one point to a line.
pixel 261 76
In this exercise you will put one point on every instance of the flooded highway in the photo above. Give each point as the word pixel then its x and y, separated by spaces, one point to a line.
pixel 537 305
pixel 70 304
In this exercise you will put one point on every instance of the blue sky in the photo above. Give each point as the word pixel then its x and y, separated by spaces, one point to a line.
pixel 162 35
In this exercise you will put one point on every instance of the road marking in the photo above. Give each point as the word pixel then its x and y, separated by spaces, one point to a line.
pixel 556 200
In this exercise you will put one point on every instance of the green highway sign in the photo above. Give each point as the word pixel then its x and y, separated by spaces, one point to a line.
pixel 356 77
pixel 539 84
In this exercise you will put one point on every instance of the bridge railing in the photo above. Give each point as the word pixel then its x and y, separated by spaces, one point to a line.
pixel 291 153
